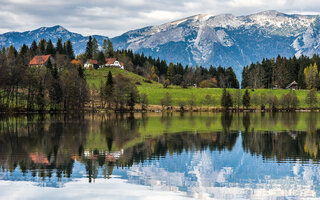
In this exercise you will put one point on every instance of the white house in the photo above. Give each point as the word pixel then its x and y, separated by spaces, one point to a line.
pixel 113 62
pixel 91 64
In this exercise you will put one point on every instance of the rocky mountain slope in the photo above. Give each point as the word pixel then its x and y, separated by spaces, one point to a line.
pixel 227 40
pixel 54 33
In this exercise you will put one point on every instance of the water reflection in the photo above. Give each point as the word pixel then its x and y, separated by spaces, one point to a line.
pixel 203 155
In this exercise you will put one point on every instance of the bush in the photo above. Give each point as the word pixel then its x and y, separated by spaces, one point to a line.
pixel 207 84
pixel 138 83
pixel 166 83
pixel 166 100
pixel 182 104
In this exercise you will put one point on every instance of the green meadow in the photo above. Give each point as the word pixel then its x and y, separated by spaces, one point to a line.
pixel 156 92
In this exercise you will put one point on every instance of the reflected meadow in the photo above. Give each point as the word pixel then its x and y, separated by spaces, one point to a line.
pixel 197 155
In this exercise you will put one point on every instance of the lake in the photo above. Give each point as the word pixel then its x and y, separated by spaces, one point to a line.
pixel 160 156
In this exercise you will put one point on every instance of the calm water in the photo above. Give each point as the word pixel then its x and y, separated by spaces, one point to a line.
pixel 155 156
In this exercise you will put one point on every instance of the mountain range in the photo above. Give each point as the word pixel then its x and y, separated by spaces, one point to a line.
pixel 204 39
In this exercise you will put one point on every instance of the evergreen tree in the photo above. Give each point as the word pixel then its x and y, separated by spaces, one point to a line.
pixel 95 48
pixel 246 99
pixel 68 49
pixel 226 99
pixel 89 48
pixel 42 47
pixel 33 49
pixel 105 46
pixel 59 47
pixel 50 48
pixel 109 88
pixel 101 59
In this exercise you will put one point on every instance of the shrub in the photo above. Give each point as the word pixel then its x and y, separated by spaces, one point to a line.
pixel 207 84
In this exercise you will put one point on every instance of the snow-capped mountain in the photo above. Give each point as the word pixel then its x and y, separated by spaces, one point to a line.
pixel 54 33
pixel 204 39
pixel 227 40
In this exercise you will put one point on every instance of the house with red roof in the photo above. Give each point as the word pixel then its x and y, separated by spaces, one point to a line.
pixel 113 62
pixel 91 64
pixel 40 61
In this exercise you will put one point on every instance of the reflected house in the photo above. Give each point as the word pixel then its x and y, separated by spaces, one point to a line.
pixel 110 156
pixel 292 86
pixel 114 156
pixel 39 158
pixel 113 62
pixel 41 61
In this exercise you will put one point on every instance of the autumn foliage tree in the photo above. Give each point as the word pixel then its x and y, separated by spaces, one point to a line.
pixel 311 76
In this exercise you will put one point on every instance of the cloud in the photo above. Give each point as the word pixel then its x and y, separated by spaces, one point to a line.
pixel 114 17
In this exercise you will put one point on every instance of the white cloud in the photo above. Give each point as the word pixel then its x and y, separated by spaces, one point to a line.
pixel 114 17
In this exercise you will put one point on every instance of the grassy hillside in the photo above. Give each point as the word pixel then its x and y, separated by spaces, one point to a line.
pixel 155 91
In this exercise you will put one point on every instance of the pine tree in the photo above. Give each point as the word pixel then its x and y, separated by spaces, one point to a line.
pixel 59 47
pixel 105 46
pixel 42 47
pixel 226 99
pixel 68 49
pixel 89 48
pixel 109 88
pixel 50 48
pixel 101 59
pixel 246 99
pixel 33 49
pixel 95 48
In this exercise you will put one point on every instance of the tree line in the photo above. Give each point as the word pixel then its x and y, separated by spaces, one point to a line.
pixel 280 72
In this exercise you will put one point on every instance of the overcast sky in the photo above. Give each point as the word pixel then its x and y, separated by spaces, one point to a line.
pixel 114 17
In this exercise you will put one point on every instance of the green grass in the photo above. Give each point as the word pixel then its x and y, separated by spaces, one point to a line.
pixel 156 92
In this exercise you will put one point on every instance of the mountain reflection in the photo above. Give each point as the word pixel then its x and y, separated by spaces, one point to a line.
pixel 52 146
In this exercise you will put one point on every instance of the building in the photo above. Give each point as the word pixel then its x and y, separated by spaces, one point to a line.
pixel 113 62
pixel 40 61
pixel 91 64
pixel 293 86
pixel 76 62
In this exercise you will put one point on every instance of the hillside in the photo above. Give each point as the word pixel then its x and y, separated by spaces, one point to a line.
pixel 155 91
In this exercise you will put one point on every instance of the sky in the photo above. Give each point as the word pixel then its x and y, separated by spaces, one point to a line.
pixel 114 17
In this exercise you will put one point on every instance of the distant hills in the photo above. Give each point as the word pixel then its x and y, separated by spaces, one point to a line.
pixel 225 40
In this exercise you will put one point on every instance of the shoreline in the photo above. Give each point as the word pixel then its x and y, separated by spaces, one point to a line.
pixel 171 109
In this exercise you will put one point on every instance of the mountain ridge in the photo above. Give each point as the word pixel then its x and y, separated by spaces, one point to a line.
pixel 204 39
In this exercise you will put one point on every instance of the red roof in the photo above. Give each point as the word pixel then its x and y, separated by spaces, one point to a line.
pixel 92 61
pixel 39 158
pixel 121 63
pixel 39 60
pixel 110 61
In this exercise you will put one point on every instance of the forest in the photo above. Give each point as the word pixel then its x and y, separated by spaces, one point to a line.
pixel 280 72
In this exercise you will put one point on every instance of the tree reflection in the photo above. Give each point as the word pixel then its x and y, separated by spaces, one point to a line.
pixel 49 145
